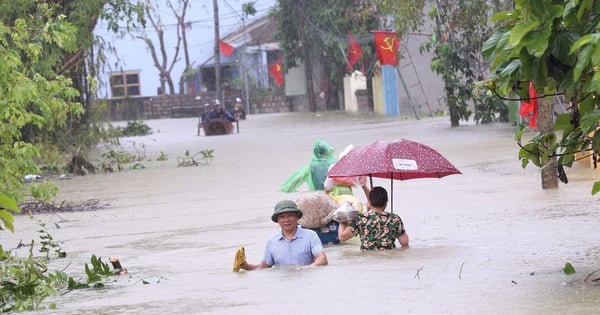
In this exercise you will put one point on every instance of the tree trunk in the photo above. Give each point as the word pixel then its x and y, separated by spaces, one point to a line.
pixel 545 126
pixel 183 26
pixel 454 121
pixel 161 62
pixel 310 93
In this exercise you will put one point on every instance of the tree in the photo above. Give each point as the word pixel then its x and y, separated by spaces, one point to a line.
pixel 160 56
pixel 44 94
pixel 45 90
pixel 31 95
pixel 459 29
pixel 81 130
pixel 556 46
pixel 183 25
pixel 316 32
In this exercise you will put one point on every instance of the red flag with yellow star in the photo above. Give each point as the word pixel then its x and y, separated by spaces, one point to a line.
pixel 276 70
pixel 387 44
pixel 225 48
pixel 354 52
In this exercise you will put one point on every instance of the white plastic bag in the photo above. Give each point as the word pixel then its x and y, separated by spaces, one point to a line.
pixel 346 212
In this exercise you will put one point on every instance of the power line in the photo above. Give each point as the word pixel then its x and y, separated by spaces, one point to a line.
pixel 204 22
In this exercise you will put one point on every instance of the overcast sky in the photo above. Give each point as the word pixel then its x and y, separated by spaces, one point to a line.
pixel 134 55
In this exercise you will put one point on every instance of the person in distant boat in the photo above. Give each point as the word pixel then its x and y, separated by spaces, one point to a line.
pixel 238 110
pixel 377 228
pixel 219 112
pixel 203 116
pixel 293 245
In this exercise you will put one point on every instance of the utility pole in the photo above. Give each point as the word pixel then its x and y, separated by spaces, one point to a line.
pixel 244 65
pixel 217 50
pixel 247 8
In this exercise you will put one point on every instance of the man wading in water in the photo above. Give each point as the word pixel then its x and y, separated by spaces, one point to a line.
pixel 293 246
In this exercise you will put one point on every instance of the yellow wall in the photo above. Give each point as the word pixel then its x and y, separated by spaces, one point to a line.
pixel 378 102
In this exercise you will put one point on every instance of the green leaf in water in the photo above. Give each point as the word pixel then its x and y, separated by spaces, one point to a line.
pixel 569 269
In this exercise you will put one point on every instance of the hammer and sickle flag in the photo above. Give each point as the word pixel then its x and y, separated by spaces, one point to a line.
pixel 276 70
pixel 387 44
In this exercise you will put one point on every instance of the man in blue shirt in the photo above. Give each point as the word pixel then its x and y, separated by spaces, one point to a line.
pixel 293 246
pixel 220 112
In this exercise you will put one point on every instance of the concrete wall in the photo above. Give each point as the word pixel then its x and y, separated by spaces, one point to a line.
pixel 180 106
pixel 425 87
pixel 352 83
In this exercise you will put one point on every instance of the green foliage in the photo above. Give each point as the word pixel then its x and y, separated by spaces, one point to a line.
pixel 7 204
pixel 42 46
pixel 248 8
pixel 460 27
pixel 162 157
pixel 119 156
pixel 489 108
pixel 324 26
pixel 97 271
pixel 48 243
pixel 136 128
pixel 26 282
pixel 568 269
pixel 596 188
pixel 27 98
pixel 193 160
pixel 407 15
pixel 116 159
pixel 45 102
pixel 133 128
pixel 554 44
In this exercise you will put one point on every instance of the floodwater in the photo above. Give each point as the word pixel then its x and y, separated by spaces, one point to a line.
pixel 489 241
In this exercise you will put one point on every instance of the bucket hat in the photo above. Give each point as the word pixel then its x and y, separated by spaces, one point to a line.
pixel 285 206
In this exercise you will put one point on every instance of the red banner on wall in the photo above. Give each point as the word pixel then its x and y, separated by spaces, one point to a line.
pixel 387 44
pixel 276 70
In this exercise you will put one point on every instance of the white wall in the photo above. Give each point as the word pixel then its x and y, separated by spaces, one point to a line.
pixel 353 82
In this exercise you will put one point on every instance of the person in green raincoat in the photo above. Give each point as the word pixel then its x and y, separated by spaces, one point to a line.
pixel 314 173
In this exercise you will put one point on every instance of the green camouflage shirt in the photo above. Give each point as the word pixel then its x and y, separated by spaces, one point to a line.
pixel 377 230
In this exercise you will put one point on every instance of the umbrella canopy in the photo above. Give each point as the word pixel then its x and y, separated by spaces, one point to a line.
pixel 401 160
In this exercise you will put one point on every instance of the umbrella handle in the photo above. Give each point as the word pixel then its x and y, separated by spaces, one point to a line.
pixel 392 192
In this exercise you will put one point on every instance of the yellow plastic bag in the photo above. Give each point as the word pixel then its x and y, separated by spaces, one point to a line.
pixel 239 259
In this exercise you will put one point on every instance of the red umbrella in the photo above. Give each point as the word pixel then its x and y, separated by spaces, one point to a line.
pixel 400 160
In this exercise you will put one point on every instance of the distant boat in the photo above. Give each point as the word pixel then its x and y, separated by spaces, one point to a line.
pixel 217 126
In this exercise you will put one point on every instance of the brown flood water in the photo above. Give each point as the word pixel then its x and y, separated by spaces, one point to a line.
pixel 490 241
